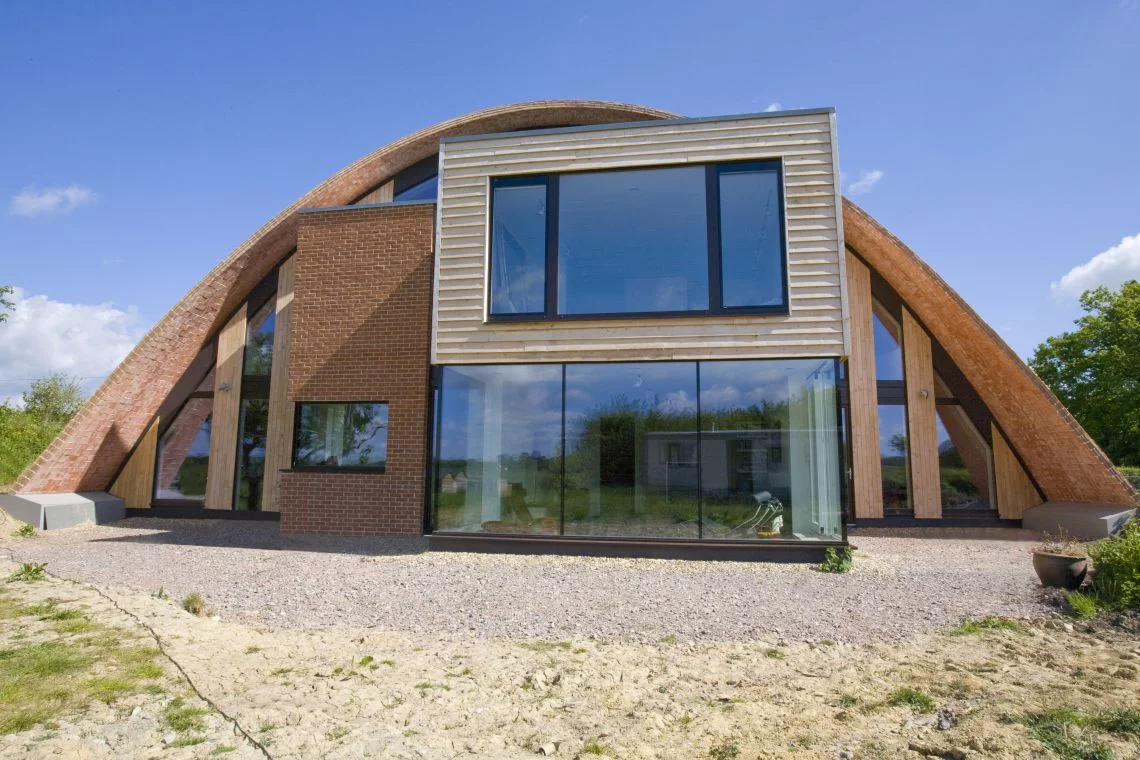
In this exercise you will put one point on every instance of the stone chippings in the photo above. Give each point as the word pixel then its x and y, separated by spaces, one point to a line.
pixel 905 583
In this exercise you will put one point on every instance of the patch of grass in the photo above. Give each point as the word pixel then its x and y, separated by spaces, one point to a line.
pixel 970 627
pixel 670 639
pixel 29 572
pixel 267 726
pixel 26 530
pixel 774 654
pixel 194 604
pixel 180 717
pixel 845 701
pixel 912 698
pixel 34 683
pixel 389 663
pixel 188 740
pixel 1121 722
pixel 338 733
pixel 1081 606
pixel 826 643
pixel 366 660
pixel 594 747
pixel 545 646
pixel 684 720
pixel 109 688
pixel 281 671
pixel 252 649
pixel 222 749
pixel 425 685
pixel 1063 733
pixel 25 718
pixel 840 561
pixel 74 625
pixel 726 750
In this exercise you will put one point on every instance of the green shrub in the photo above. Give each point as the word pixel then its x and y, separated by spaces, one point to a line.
pixel 724 751
pixel 195 604
pixel 26 530
pixel 28 572
pixel 1117 563
pixel 1081 606
pixel 837 561
pixel 912 698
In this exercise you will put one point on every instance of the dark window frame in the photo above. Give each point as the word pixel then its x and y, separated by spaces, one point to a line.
pixel 713 171
pixel 353 468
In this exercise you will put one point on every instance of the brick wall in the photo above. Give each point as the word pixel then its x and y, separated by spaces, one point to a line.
pixel 361 331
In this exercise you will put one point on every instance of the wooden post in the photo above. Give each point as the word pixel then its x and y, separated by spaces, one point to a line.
pixel 227 407
pixel 1015 491
pixel 922 431
pixel 863 394
pixel 279 436
pixel 135 484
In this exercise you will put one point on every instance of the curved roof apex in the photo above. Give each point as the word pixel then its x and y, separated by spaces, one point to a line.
pixel 90 450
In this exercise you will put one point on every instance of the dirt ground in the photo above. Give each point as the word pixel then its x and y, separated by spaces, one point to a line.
pixel 228 689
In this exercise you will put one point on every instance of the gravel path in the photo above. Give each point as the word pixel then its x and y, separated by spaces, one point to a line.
pixel 905 582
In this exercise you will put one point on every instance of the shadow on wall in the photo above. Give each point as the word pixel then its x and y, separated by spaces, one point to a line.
pixel 263 536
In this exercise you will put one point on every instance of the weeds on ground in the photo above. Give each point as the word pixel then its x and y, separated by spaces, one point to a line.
pixel 1081 606
pixel 837 561
pixel 545 646
pixel 1117 563
pixel 194 604
pixel 180 717
pixel 845 701
pixel 337 733
pixel 26 530
pixel 988 623
pixel 222 749
pixel 774 654
pixel 1072 735
pixel 425 685
pixel 726 750
pixel 29 572
pixel 669 639
pixel 912 698
pixel 594 747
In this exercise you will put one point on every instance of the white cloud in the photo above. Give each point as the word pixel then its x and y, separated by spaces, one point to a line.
pixel 42 336
pixel 1110 268
pixel 866 182
pixel 50 200
pixel 773 106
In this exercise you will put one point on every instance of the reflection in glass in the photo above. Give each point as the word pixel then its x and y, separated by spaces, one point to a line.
pixel 184 453
pixel 893 454
pixel 633 241
pixel 259 339
pixel 341 435
pixel 770 449
pixel 252 422
pixel 750 238
pixel 424 190
pixel 631 450
pixel 963 460
pixel 498 450
pixel 888 352
pixel 518 248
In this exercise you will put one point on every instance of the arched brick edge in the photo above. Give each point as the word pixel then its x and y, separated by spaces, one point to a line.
pixel 1065 462
pixel 88 453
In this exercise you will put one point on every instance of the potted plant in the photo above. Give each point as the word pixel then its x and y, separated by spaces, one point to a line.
pixel 1060 562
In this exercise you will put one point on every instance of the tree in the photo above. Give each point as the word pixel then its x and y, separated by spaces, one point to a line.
pixel 1095 369
pixel 54 399
pixel 5 304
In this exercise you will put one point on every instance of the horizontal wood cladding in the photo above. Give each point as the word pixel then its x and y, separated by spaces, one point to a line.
pixel 816 269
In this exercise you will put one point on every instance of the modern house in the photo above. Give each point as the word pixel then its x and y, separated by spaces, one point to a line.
pixel 580 326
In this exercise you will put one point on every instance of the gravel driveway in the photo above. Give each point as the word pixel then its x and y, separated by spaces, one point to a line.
pixel 905 582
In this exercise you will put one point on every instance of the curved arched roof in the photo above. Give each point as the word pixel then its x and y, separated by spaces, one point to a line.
pixel 87 454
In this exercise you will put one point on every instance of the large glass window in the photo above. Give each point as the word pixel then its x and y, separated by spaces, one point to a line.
pixel 692 239
pixel 498 449
pixel 751 235
pixel 259 339
pixel 341 436
pixel 963 460
pixel 893 455
pixel 888 348
pixel 633 241
pixel 424 190
pixel 631 450
pixel 518 240
pixel 253 422
pixel 184 454
pixel 732 450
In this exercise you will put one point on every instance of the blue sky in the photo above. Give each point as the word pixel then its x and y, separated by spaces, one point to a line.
pixel 143 141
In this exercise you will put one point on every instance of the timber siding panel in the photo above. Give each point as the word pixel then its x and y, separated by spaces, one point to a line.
pixel 227 405
pixel 1015 491
pixel 135 483
pixel 279 436
pixel 863 393
pixel 814 326
pixel 922 434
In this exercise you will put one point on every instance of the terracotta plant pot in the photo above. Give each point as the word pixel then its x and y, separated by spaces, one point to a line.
pixel 1060 570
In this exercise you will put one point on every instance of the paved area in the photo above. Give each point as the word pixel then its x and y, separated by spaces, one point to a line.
pixel 905 582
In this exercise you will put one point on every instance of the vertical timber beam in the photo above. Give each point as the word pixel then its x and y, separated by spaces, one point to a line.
pixel 135 483
pixel 862 391
pixel 922 433
pixel 279 437
pixel 1015 491
pixel 227 405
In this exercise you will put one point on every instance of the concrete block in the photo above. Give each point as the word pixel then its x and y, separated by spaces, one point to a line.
pixel 1083 521
pixel 49 511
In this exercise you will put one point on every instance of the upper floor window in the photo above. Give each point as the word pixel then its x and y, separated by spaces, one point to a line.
pixel 677 240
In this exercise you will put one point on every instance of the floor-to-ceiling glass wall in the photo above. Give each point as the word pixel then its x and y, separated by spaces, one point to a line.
pixel 253 419
pixel 184 449
pixel 714 449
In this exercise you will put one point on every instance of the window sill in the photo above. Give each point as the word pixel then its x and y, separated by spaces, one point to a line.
pixel 752 311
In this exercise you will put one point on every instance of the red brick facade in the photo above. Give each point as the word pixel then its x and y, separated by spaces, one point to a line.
pixel 360 332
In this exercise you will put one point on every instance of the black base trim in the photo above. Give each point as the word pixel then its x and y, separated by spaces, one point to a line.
pixel 201 513
pixel 786 551
pixel 906 521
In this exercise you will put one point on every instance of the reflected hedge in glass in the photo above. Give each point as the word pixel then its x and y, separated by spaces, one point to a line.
pixel 893 455
pixel 253 421
pixel 341 435
pixel 631 450
pixel 633 241
pixel 259 339
pixel 498 457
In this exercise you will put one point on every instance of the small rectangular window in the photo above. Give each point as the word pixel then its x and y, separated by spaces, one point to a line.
pixel 341 436
pixel 751 235
pixel 518 246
